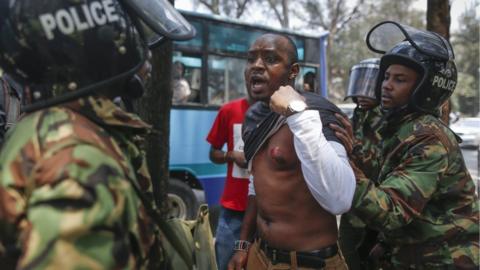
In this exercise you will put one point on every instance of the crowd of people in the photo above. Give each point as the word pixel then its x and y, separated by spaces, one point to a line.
pixel 75 190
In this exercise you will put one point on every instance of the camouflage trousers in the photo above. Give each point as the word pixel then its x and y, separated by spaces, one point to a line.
pixel 356 242
pixel 439 256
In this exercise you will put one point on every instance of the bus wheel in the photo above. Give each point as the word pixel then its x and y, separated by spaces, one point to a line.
pixel 182 202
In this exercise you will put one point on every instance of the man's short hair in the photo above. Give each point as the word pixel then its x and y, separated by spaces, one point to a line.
pixel 292 52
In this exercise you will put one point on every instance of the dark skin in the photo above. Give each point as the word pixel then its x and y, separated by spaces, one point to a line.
pixel 283 201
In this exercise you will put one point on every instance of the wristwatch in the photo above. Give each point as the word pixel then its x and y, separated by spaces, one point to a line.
pixel 296 106
pixel 241 245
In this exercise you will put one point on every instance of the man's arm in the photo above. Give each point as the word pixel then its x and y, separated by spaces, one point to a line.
pixel 218 156
pixel 405 191
pixel 77 215
pixel 239 259
pixel 325 166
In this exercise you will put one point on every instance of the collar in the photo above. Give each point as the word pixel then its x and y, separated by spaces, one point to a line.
pixel 104 112
pixel 394 119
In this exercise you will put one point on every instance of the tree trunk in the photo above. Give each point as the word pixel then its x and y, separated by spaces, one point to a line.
pixel 438 20
pixel 438 17
pixel 154 108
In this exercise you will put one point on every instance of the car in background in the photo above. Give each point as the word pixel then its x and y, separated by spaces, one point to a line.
pixel 347 108
pixel 468 129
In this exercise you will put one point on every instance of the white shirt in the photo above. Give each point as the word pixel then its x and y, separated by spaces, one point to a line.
pixel 325 166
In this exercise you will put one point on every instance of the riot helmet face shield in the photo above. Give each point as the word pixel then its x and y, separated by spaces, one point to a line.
pixel 363 78
pixel 159 19
pixel 384 36
pixel 426 52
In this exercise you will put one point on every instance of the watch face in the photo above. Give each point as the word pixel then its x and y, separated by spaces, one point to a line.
pixel 297 106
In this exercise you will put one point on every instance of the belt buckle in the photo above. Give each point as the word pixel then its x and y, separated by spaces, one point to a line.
pixel 274 256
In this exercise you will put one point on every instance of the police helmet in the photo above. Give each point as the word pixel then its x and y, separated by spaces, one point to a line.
pixel 67 49
pixel 426 52
pixel 363 77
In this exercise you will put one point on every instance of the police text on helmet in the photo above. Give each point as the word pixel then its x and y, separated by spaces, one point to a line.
pixel 444 83
pixel 78 18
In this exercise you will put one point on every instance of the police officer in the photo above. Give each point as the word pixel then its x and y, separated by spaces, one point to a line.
pixel 74 187
pixel 367 115
pixel 355 239
pixel 423 201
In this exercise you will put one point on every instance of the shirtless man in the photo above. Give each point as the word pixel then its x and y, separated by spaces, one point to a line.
pixel 301 176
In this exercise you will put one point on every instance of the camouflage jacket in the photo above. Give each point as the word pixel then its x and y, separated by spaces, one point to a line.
pixel 66 196
pixel 424 203
pixel 366 153
pixel 367 150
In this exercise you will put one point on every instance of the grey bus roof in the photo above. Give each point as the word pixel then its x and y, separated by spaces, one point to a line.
pixel 253 25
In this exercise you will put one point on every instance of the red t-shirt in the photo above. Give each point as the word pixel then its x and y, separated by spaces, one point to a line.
pixel 227 129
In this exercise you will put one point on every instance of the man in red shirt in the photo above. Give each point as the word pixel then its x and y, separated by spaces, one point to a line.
pixel 227 128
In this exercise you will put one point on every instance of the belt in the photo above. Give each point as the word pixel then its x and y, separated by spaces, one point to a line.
pixel 311 259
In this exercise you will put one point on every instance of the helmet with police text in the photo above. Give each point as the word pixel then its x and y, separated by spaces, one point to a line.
pixel 363 77
pixel 67 49
pixel 426 52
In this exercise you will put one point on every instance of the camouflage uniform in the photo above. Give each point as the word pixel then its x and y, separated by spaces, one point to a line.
pixel 355 239
pixel 67 190
pixel 366 153
pixel 424 203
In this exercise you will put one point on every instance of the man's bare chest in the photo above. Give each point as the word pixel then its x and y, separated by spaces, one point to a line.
pixel 278 153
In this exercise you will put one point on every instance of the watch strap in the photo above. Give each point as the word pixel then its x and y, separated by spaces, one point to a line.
pixel 241 245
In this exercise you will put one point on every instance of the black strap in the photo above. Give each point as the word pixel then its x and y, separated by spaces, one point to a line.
pixel 313 259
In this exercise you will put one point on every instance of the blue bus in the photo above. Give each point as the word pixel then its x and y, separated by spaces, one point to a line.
pixel 208 72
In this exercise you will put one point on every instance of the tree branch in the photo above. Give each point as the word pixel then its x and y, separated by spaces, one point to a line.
pixel 277 13
pixel 241 5
pixel 213 6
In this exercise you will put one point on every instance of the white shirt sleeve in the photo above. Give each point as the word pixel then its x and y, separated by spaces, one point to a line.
pixel 325 166
pixel 251 187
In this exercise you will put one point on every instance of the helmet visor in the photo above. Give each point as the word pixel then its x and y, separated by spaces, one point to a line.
pixel 160 18
pixel 362 81
pixel 385 35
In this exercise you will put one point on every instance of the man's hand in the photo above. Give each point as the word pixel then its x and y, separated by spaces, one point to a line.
pixel 345 134
pixel 238 158
pixel 238 261
pixel 280 100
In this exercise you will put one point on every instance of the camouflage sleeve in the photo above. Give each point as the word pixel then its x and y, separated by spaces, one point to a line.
pixel 76 216
pixel 404 191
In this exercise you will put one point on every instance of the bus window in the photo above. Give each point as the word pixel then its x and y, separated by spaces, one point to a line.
pixel 300 81
pixel 225 79
pixel 300 47
pixel 187 73
pixel 226 38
